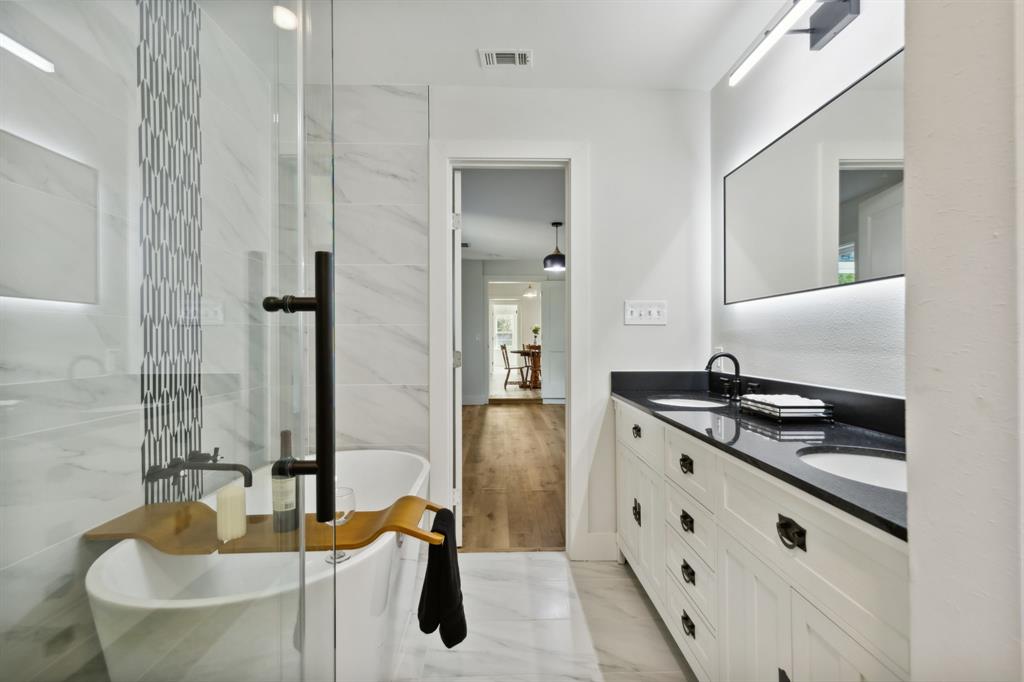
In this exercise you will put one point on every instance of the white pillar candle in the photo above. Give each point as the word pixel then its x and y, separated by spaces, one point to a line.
pixel 231 521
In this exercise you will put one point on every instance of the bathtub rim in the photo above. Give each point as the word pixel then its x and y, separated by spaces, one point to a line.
pixel 98 588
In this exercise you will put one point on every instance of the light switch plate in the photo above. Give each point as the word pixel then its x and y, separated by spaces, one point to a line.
pixel 646 312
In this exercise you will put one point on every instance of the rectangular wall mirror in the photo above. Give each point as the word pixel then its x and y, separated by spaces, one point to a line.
pixel 822 206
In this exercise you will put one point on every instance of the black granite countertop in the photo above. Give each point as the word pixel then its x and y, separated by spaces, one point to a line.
pixel 772 448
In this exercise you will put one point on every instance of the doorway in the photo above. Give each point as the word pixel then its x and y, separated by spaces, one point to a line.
pixel 446 473
pixel 513 443
pixel 510 422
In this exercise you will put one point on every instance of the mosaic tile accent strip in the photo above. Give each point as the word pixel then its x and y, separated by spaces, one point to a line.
pixel 171 220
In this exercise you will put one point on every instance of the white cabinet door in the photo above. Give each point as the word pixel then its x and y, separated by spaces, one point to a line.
pixel 650 492
pixel 625 500
pixel 822 651
pixel 754 635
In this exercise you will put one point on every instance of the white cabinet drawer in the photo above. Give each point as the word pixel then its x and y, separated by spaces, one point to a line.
pixel 642 433
pixel 692 465
pixel 694 575
pixel 858 573
pixel 692 522
pixel 691 631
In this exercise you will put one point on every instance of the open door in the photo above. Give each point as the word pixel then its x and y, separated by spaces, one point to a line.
pixel 456 246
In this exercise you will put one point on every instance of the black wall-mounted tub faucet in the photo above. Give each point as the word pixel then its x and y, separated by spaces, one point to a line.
pixel 197 461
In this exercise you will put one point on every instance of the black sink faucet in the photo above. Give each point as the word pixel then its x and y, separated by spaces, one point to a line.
pixel 733 389
pixel 197 461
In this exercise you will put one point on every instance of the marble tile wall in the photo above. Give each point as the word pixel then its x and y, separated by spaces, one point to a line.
pixel 70 417
pixel 238 249
pixel 379 153
pixel 70 423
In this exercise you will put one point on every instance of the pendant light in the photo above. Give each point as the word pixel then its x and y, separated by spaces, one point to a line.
pixel 530 292
pixel 555 261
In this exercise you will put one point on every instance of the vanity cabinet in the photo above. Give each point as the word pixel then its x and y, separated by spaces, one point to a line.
pixel 824 651
pixel 756 621
pixel 640 503
pixel 755 579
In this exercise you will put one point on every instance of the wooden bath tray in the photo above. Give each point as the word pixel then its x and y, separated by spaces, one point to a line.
pixel 191 528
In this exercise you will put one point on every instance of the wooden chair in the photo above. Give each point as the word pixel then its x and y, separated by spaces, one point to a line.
pixel 509 367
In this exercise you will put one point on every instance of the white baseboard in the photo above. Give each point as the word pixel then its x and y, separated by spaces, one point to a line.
pixel 474 400
pixel 594 547
pixel 554 401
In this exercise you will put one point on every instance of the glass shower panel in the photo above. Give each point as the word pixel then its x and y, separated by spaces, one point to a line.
pixel 151 195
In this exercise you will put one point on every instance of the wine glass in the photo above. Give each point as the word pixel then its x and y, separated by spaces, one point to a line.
pixel 344 507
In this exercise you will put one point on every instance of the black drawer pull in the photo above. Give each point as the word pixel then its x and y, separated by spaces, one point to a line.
pixel 686 464
pixel 686 521
pixel 639 514
pixel 792 534
pixel 637 432
pixel 688 574
pixel 689 627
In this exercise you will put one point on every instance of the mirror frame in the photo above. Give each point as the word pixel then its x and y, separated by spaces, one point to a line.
pixel 725 221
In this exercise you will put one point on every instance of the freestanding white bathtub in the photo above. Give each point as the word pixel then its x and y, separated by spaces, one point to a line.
pixel 235 616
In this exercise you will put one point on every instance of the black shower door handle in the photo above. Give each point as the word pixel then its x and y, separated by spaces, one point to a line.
pixel 322 305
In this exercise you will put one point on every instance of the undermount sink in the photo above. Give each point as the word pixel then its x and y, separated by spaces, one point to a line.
pixel 691 403
pixel 882 468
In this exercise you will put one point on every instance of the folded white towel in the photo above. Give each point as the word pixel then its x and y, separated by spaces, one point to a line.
pixel 784 400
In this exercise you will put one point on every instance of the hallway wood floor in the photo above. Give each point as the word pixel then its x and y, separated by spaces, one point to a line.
pixel 513 477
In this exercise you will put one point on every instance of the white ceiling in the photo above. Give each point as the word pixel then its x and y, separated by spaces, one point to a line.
pixel 660 44
pixel 507 214
pixel 645 44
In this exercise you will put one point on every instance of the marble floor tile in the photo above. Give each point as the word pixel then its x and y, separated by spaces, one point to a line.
pixel 537 617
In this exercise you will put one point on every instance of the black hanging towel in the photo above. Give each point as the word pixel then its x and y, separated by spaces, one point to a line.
pixel 441 599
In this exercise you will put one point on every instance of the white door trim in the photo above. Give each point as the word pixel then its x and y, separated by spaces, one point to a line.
pixel 574 157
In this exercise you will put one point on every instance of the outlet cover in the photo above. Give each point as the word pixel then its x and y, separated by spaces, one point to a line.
pixel 646 312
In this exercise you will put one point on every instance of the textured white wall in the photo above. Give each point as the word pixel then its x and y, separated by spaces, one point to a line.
pixel 649 202
pixel 850 337
pixel 963 337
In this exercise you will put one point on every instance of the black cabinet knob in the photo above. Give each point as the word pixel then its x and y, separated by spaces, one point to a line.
pixel 688 574
pixel 686 464
pixel 686 521
pixel 637 432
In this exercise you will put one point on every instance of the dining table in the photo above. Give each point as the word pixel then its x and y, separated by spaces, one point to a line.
pixel 530 356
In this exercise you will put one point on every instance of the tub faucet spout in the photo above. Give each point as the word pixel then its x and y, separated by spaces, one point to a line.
pixel 197 461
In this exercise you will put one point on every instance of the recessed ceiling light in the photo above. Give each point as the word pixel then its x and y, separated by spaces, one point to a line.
pixel 18 50
pixel 285 19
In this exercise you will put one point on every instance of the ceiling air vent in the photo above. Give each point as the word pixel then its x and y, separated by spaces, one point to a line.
pixel 492 59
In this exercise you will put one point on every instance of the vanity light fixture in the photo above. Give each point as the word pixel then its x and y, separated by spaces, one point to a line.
pixel 555 261
pixel 530 292
pixel 18 50
pixel 285 19
pixel 826 23
pixel 772 36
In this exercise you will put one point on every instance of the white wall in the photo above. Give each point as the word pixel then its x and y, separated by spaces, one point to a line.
pixel 963 196
pixel 553 358
pixel 851 337
pixel 649 212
